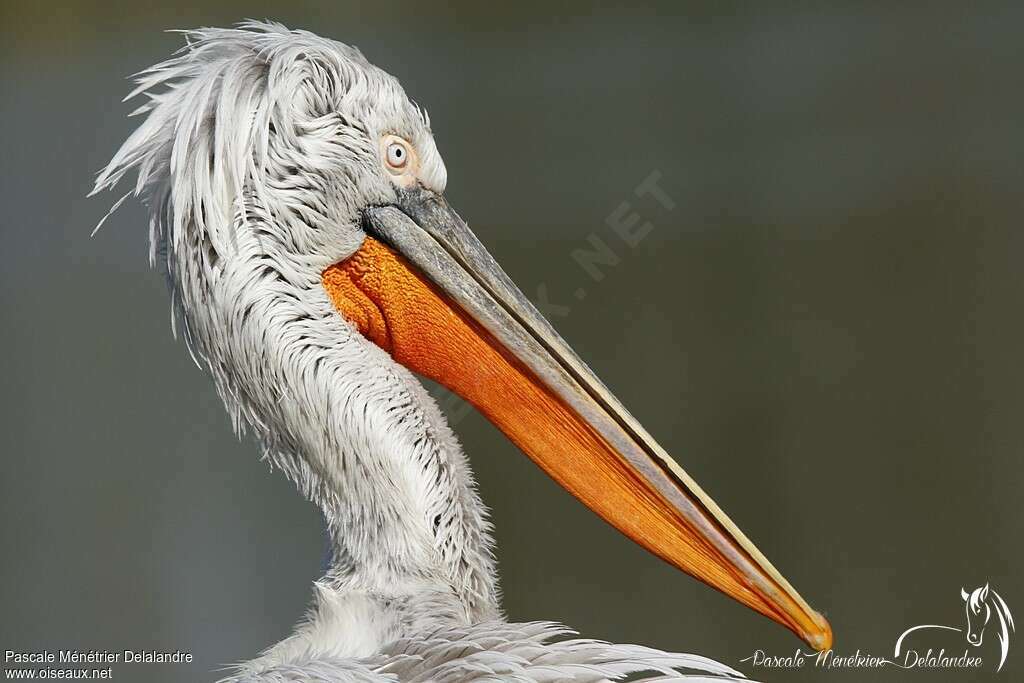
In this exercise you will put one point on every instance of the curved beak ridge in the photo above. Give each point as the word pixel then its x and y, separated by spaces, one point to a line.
pixel 425 289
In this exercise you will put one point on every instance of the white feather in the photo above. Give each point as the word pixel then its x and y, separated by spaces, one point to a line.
pixel 257 152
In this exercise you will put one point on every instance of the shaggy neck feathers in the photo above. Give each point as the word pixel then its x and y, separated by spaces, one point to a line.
pixel 256 154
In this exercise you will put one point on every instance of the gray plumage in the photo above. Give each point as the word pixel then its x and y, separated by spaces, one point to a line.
pixel 536 652
pixel 256 154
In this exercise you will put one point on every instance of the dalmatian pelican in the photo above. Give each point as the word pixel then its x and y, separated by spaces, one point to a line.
pixel 297 209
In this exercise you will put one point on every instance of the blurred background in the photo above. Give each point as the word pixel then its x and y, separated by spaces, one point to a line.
pixel 825 329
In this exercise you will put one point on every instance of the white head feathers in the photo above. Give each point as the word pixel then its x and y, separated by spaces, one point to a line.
pixel 265 131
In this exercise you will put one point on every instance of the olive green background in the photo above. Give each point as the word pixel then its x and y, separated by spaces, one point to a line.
pixel 826 330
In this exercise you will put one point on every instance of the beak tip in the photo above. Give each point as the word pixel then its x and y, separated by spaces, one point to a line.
pixel 821 638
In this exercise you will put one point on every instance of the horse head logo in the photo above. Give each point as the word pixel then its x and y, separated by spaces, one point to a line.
pixel 978 613
pixel 981 604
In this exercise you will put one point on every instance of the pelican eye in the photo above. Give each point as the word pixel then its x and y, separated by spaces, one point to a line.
pixel 398 154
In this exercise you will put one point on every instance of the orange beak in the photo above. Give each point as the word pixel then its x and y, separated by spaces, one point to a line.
pixel 424 289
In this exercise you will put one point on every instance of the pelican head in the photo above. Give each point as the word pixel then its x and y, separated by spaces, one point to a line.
pixel 314 264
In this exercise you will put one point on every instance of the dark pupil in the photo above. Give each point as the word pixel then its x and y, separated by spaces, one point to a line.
pixel 398 152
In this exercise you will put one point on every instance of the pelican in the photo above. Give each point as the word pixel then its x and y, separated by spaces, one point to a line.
pixel 297 210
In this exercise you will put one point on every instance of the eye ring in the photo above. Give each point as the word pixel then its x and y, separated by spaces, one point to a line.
pixel 398 154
